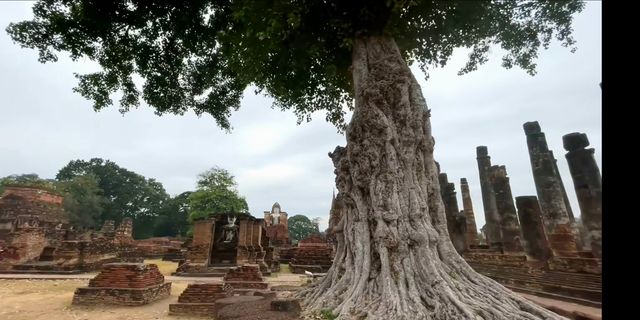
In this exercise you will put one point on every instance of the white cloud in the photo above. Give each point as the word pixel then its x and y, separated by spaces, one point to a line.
pixel 43 125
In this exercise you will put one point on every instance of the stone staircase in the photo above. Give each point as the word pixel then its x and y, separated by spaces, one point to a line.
pixel 199 299
pixel 580 288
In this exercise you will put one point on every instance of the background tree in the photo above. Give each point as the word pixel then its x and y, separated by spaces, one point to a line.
pixel 301 227
pixel 217 193
pixel 83 200
pixel 26 180
pixel 127 193
pixel 173 218
pixel 394 259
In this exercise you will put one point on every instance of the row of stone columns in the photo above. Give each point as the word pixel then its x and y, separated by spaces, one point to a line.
pixel 542 226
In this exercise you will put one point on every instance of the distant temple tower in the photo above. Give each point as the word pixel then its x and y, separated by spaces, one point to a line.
pixel 276 216
pixel 276 223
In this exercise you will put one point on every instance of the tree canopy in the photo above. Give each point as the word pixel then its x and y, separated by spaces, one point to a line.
pixel 83 200
pixel 217 193
pixel 27 180
pixel 127 193
pixel 202 54
pixel 300 227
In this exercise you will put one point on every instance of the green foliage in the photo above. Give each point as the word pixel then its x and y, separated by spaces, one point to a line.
pixel 301 227
pixel 83 200
pixel 27 180
pixel 127 193
pixel 202 54
pixel 326 314
pixel 216 194
pixel 173 217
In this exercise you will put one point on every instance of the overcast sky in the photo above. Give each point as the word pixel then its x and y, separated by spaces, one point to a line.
pixel 44 125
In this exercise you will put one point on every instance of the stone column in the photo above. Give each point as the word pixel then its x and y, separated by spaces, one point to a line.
pixel 535 241
pixel 456 223
pixel 588 184
pixel 467 207
pixel 562 233
pixel 509 224
pixel 243 254
pixel 492 230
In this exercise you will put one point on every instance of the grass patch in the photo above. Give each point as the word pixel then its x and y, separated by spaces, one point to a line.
pixel 284 268
pixel 326 314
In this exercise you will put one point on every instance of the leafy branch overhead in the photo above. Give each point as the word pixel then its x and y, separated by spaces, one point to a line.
pixel 201 55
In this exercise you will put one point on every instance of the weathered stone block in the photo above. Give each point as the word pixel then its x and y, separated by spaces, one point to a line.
pixel 124 284
pixel 121 296
pixel 286 305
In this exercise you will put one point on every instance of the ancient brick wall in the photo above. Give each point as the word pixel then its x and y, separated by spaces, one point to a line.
pixel 128 275
pixel 28 243
pixel 286 254
pixel 278 235
pixel 45 205
pixel 202 232
pixel 576 265
pixel 245 277
pixel 204 293
pixel 314 240
pixel 123 235
pixel 157 247
pixel 199 299
pixel 496 259
pixel 124 284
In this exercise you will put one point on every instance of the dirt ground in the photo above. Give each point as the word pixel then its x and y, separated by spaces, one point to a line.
pixel 165 267
pixel 51 299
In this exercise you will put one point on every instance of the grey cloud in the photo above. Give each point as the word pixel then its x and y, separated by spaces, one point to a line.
pixel 44 125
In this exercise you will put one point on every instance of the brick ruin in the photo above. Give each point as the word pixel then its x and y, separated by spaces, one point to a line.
pixel 35 236
pixel 558 219
pixel 276 224
pixel 167 248
pixel 588 185
pixel 456 219
pixel 130 284
pixel 32 223
pixel 313 254
pixel 467 205
pixel 88 251
pixel 224 242
pixel 492 231
pixel 534 244
pixel 247 277
pixel 509 225
pixel 199 299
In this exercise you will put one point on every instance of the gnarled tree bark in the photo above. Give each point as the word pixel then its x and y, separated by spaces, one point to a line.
pixel 394 259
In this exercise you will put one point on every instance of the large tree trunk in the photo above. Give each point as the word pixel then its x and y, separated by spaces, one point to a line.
pixel 394 259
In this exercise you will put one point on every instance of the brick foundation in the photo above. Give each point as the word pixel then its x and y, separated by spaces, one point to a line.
pixel 199 299
pixel 246 277
pixel 124 284
pixel 313 254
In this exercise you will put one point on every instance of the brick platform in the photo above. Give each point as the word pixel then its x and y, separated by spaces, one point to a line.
pixel 313 254
pixel 490 258
pixel 286 254
pixel 246 277
pixel 311 258
pixel 129 284
pixel 199 299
